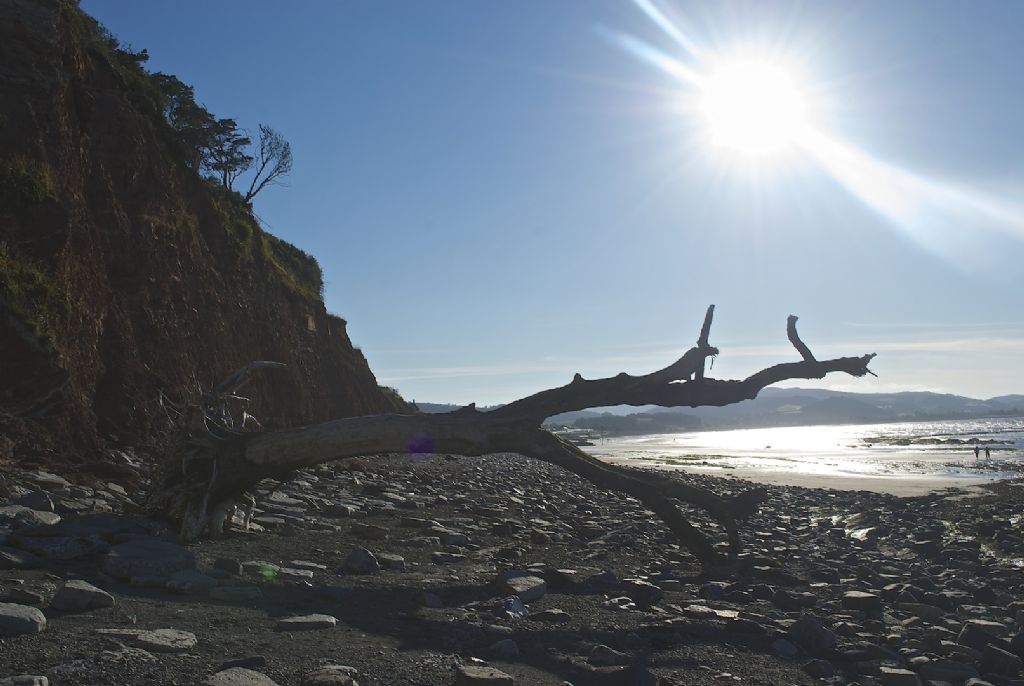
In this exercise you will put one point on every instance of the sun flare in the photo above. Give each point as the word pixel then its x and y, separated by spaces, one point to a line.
pixel 753 108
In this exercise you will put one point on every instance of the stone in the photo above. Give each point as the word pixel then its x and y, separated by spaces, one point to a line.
pixel 550 615
pixel 166 640
pixel 191 582
pixel 239 676
pixel 11 558
pixel 947 670
pixel 528 588
pixel 147 557
pixel 361 561
pixel 50 482
pixel 819 669
pixel 812 635
pixel 473 675
pixel 25 680
pixel 929 613
pixel 390 561
pixel 784 648
pixel 505 649
pixel 19 516
pixel 36 500
pixel 894 676
pixel 16 620
pixel 859 600
pixel 306 623
pixel 643 593
pixel 331 675
pixel 995 660
pixel 77 596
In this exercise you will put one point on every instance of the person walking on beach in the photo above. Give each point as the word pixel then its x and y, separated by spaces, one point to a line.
pixel 988 454
pixel 977 453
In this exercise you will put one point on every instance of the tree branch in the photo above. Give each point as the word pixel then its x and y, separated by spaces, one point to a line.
pixel 220 465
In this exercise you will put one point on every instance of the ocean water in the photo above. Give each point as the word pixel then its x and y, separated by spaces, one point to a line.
pixel 924 449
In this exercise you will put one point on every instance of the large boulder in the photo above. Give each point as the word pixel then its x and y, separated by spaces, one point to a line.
pixel 77 595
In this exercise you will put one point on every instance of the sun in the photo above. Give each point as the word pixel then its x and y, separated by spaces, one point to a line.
pixel 753 108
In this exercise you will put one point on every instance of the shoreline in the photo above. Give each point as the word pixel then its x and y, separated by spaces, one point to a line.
pixel 903 486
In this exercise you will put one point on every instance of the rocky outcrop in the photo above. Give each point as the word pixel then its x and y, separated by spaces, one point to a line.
pixel 123 274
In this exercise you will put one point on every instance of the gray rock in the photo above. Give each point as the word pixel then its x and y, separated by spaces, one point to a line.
pixel 929 613
pixel 306 623
pixel 147 557
pixel 947 670
pixel 50 482
pixel 894 676
pixel 16 620
pixel 859 600
pixel 25 680
pixel 331 675
pixel 995 660
pixel 643 593
pixel 166 640
pixel 390 561
pixel 528 588
pixel 19 516
pixel 784 648
pixel 11 558
pixel 505 649
pixel 77 595
pixel 239 676
pixel 819 669
pixel 812 635
pixel 361 561
pixel 36 500
pixel 473 675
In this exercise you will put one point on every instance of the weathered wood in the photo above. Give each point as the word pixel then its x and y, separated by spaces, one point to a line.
pixel 218 464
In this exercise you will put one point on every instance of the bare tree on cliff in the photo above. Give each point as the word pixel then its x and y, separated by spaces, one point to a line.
pixel 211 464
pixel 274 161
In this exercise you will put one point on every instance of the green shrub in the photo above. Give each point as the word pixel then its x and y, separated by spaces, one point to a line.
pixel 30 294
pixel 299 270
pixel 24 183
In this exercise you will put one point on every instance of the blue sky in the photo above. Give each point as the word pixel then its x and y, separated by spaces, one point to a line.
pixel 502 194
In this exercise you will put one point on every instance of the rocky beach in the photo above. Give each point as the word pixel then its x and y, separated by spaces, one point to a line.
pixel 501 569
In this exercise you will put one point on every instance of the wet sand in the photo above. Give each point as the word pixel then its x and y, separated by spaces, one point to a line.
pixel 903 485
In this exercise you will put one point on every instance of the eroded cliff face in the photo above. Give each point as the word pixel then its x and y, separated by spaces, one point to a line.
pixel 123 274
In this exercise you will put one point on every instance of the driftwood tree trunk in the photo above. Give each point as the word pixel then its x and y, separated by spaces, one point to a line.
pixel 214 464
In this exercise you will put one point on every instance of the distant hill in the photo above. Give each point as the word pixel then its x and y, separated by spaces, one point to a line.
pixel 799 406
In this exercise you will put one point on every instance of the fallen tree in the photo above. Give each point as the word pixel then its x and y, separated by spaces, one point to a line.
pixel 211 463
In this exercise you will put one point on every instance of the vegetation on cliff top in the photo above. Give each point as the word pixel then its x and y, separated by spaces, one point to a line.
pixel 215 149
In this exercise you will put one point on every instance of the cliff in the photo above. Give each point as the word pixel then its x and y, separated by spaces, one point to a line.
pixel 124 274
